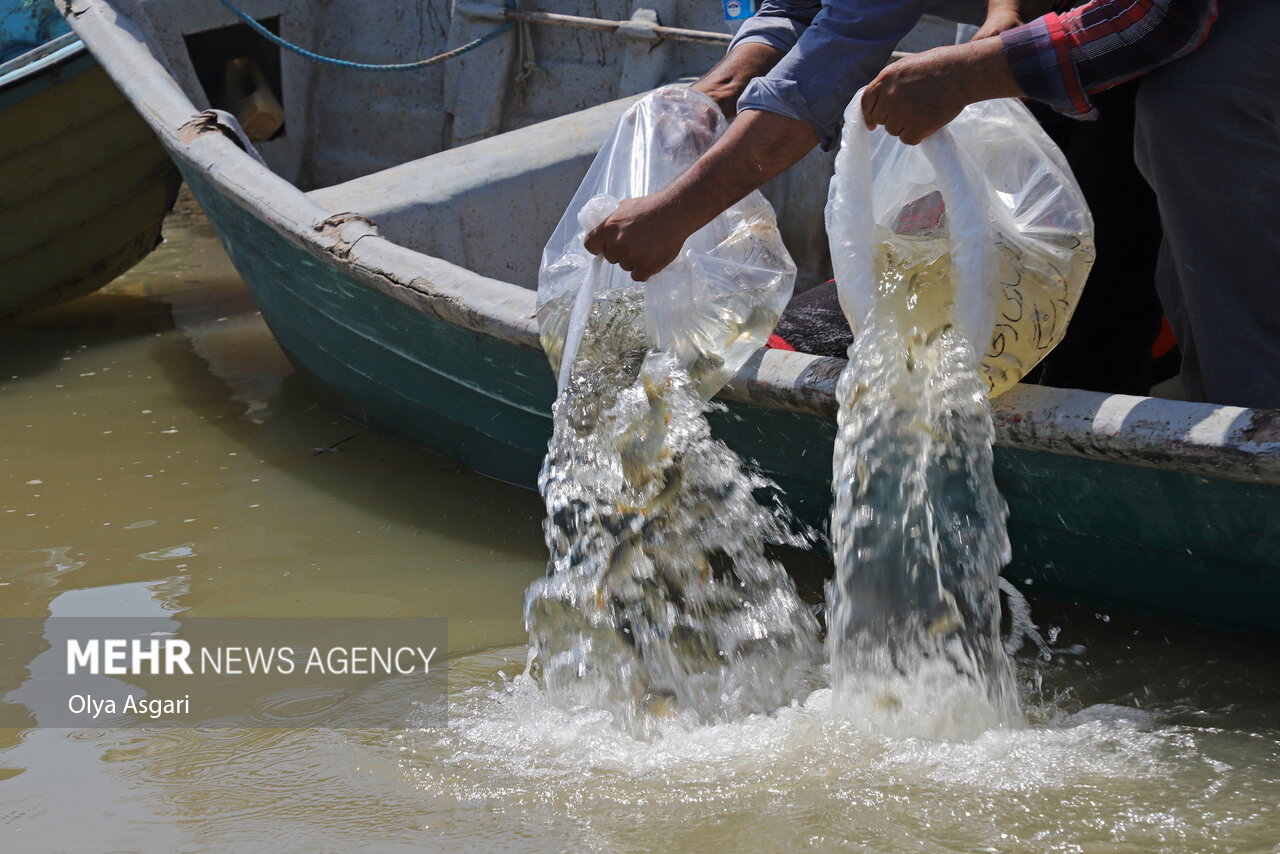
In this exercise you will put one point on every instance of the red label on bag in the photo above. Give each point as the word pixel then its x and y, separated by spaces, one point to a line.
pixel 926 213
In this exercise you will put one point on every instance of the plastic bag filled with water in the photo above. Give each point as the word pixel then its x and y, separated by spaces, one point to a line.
pixel 987 215
pixel 958 263
pixel 718 301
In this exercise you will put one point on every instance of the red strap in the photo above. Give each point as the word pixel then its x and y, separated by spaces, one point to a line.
pixel 776 342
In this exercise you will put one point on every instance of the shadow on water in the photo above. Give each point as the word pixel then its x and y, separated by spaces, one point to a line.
pixel 225 369
pixel 38 342
pixel 1186 674
pixel 300 437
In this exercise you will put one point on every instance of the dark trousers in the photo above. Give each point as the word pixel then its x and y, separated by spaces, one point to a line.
pixel 1107 346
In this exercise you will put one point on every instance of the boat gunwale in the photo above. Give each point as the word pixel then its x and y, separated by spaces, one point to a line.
pixel 55 51
pixel 35 64
pixel 1206 440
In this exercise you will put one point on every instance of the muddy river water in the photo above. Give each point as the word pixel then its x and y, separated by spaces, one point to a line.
pixel 160 458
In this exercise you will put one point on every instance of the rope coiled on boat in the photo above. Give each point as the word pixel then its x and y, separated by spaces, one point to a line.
pixel 367 66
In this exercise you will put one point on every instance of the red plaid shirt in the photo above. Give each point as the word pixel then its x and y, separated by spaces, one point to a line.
pixel 1063 57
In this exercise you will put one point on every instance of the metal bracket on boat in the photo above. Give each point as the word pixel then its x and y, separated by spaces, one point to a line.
pixel 218 121
pixel 333 226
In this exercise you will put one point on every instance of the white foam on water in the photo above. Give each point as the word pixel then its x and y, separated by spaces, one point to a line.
pixel 1104 774
pixel 659 595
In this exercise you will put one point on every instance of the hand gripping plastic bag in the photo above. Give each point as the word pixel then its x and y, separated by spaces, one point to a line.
pixel 718 301
pixel 990 195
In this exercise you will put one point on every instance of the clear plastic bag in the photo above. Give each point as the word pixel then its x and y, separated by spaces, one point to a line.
pixel 718 301
pixel 988 203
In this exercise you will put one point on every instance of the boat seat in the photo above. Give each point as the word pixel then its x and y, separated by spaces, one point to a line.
pixel 488 206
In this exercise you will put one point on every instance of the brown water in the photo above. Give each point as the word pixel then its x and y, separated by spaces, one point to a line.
pixel 160 458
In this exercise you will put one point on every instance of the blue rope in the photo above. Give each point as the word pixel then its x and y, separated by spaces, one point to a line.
pixel 365 66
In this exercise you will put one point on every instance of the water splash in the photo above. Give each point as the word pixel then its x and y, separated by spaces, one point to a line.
pixel 659 597
pixel 918 525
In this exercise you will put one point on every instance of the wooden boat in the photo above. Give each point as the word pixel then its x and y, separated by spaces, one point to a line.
pixel 84 185
pixel 391 235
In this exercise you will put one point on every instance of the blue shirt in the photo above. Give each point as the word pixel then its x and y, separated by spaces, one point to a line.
pixel 833 49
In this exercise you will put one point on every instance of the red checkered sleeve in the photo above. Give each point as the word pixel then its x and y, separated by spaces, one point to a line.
pixel 1061 59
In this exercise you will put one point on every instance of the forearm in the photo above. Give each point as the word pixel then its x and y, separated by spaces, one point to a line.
pixel 982 71
pixel 725 82
pixel 758 146
pixel 1106 42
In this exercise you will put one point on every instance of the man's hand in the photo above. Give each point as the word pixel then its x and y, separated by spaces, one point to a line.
pixel 1001 15
pixel 915 96
pixel 642 236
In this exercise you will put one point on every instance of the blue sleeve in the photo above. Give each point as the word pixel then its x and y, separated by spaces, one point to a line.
pixel 839 52
pixel 777 23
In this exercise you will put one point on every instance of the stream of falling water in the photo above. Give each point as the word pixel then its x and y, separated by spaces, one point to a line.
pixel 918 524
pixel 659 598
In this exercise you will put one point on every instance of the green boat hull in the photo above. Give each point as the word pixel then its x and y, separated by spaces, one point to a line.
pixel 84 185
pixel 1097 532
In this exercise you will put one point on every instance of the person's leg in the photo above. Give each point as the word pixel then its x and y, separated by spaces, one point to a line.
pixel 1208 141
pixel 1107 345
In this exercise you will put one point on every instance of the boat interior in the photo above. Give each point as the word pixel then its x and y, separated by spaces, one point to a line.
pixel 484 149
pixel 24 27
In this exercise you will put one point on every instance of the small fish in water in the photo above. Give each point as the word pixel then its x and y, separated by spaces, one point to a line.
pixel 933 336
pixel 946 616
pixel 705 365
pixel 645 454
pixel 887 702
pixel 619 562
pixel 657 597
pixel 923 341
pixel 660 704
pixel 667 495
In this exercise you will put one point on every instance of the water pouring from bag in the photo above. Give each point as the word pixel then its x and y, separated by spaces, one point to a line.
pixel 977 235
pixel 659 598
